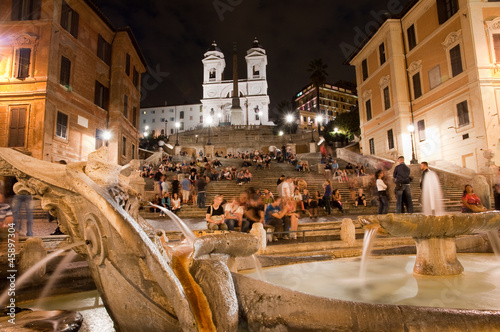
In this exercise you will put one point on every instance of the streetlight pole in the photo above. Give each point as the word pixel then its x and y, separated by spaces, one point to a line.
pixel 411 129
pixel 312 132
pixel 177 125
pixel 289 120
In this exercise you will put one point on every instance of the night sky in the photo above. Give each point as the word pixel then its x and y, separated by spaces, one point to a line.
pixel 174 35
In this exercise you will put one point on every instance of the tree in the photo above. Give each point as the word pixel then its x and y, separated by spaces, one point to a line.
pixel 347 124
pixel 318 77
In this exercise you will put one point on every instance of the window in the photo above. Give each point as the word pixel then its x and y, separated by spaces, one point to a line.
pixel 368 106
pixel 124 146
pixel 62 125
pixel 496 46
pixel 412 38
pixel 381 51
pixel 153 112
pixel 101 97
pixel 125 106
pixel 211 74
pixel 69 19
pixel 456 61
pixel 364 67
pixel 162 120
pixel 133 151
pixel 372 145
pixel 446 9
pixel 17 126
pixel 162 132
pixel 417 88
pixel 134 116
pixel 154 120
pixel 25 10
pixel 135 78
pixel 181 115
pixel 190 117
pixel 104 50
pixel 171 131
pixel 127 64
pixel 182 126
pixel 201 118
pixel 421 130
pixel 390 139
pixel 463 114
pixel 64 76
pixel 144 121
pixel 99 140
pixel 23 58
pixel 387 98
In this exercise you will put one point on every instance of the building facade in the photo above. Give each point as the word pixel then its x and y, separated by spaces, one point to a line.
pixel 333 100
pixel 162 120
pixel 217 92
pixel 67 76
pixel 429 84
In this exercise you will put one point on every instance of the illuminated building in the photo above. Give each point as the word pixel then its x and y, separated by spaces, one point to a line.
pixel 435 67
pixel 66 76
pixel 334 100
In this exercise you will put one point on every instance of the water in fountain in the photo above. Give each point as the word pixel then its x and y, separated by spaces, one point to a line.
pixel 258 267
pixel 26 275
pixel 53 278
pixel 188 233
pixel 368 241
pixel 432 196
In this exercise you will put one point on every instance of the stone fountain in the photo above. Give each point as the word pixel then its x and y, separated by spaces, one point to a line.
pixel 148 285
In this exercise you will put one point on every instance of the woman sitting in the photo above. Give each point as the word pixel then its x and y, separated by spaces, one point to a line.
pixel 336 200
pixel 471 202
pixel 215 215
pixel 240 178
pixel 233 213
pixel 176 203
pixel 247 176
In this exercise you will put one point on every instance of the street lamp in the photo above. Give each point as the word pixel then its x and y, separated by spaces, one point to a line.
pixel 411 129
pixel 319 120
pixel 106 136
pixel 209 124
pixel 219 115
pixel 177 126
pixel 289 120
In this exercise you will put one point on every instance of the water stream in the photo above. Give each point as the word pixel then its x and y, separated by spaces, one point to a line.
pixel 368 242
pixel 55 275
pixel 258 267
pixel 188 233
pixel 26 275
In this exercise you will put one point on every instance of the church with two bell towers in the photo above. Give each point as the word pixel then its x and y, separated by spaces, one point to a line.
pixel 250 105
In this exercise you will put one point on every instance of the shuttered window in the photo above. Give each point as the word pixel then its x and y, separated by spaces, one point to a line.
pixel 26 10
pixel 65 74
pixel 456 61
pixel 23 59
pixel 463 114
pixel 417 87
pixel 446 9
pixel 104 50
pixel 101 97
pixel 368 105
pixel 17 126
pixel 412 38
pixel 69 19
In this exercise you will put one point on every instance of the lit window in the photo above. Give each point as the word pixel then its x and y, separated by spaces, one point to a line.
pixel 62 125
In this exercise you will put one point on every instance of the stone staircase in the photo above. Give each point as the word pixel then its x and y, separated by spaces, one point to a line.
pixel 266 179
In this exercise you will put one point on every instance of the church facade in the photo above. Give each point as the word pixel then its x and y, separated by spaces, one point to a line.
pixel 252 91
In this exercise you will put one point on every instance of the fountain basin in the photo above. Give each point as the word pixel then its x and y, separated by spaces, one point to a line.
pixel 434 236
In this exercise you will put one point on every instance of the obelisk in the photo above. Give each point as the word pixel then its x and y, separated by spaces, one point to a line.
pixel 236 111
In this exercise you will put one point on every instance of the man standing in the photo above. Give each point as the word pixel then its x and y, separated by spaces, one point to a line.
pixel 200 188
pixel 424 166
pixel 402 179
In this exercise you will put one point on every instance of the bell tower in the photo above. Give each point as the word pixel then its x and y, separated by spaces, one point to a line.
pixel 213 64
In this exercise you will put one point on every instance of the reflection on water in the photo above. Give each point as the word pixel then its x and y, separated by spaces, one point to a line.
pixel 89 304
pixel 390 280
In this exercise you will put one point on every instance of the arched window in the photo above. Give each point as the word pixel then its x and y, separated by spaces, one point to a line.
pixel 211 74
